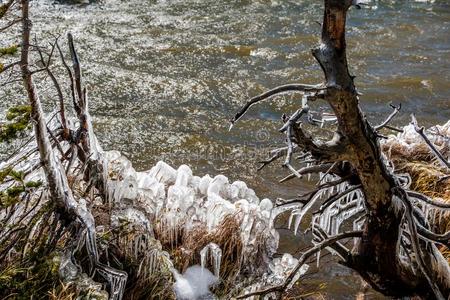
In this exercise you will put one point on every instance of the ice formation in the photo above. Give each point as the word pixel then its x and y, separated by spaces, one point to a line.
pixel 175 200
pixel 350 202
pixel 194 284
pixel 216 256
pixel 151 209
pixel 280 269
pixel 410 144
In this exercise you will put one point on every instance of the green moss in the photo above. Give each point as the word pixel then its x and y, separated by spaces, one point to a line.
pixel 17 111
pixel 17 175
pixel 12 194
pixel 33 184
pixel 11 50
pixel 4 173
pixel 19 120
pixel 33 278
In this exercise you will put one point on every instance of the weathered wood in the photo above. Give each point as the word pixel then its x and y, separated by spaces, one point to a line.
pixel 356 150
pixel 376 255
pixel 55 175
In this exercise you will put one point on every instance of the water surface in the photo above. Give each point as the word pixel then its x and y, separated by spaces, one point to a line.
pixel 165 77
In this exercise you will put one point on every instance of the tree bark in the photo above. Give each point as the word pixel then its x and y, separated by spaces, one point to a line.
pixel 376 255
pixel 56 177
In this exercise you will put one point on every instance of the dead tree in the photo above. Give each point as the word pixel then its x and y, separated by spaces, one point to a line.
pixel 69 215
pixel 59 189
pixel 395 252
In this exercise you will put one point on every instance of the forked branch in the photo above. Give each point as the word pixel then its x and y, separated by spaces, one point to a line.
pixel 275 91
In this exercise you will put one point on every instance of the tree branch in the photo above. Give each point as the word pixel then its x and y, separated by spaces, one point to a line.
pixel 390 117
pixel 423 198
pixel 278 90
pixel 322 245
pixel 307 170
pixel 420 130
pixel 402 194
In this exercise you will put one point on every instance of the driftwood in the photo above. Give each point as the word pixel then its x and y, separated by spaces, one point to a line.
pixel 396 253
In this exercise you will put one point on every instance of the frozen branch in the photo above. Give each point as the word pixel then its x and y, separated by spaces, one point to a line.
pixel 443 239
pixel 278 90
pixel 302 260
pixel 55 174
pixel 307 170
pixel 427 200
pixel 420 130
pixel 389 118
pixel 402 194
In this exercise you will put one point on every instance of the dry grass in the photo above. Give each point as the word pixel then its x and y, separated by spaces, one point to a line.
pixel 426 174
pixel 64 292
pixel 184 249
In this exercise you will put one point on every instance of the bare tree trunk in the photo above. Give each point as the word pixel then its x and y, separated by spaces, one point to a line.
pixel 56 177
pixel 376 255
pixel 392 225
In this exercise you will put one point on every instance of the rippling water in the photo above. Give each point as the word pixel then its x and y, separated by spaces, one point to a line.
pixel 166 76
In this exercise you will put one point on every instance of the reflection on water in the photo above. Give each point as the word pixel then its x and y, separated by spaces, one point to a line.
pixel 166 76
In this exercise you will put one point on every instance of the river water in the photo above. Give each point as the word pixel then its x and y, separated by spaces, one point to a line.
pixel 165 77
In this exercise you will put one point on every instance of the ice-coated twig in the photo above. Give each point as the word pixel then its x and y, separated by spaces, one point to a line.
pixel 278 90
pixel 443 238
pixel 302 260
pixel 320 235
pixel 337 196
pixel 424 198
pixel 403 196
pixel 278 154
pixel 420 130
pixel 307 170
pixel 390 117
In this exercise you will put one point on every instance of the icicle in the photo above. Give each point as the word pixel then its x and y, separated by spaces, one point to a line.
pixel 301 213
pixel 184 175
pixel 309 174
pixel 318 259
pixel 204 184
pixel 216 257
pixel 203 253
pixel 427 209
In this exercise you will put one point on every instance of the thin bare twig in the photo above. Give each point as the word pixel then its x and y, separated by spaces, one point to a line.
pixel 423 198
pixel 322 245
pixel 278 90
pixel 420 130
pixel 390 117
pixel 403 195
pixel 13 22
pixel 58 89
